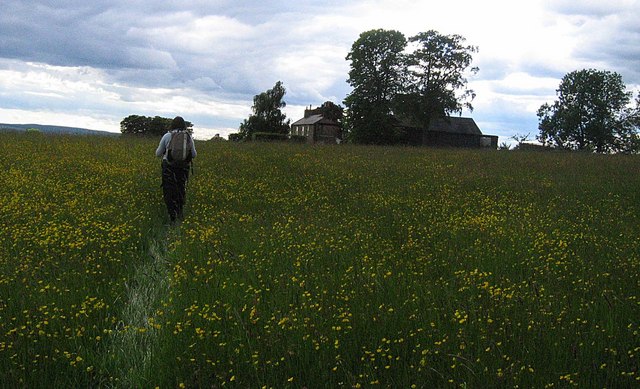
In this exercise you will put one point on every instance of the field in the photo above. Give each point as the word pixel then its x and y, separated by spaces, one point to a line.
pixel 302 266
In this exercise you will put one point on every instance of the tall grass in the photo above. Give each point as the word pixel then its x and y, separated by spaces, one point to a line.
pixel 75 213
pixel 302 266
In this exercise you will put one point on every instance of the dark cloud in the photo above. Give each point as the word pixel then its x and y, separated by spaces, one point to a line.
pixel 617 50
pixel 607 34
pixel 228 47
pixel 544 68
pixel 67 34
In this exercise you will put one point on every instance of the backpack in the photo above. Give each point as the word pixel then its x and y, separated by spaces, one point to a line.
pixel 179 149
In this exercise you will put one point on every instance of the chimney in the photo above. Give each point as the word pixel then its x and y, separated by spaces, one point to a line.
pixel 308 111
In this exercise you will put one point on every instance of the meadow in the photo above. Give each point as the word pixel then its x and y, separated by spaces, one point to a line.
pixel 324 266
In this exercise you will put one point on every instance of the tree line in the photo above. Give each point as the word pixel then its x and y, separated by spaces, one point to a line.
pixel 414 81
pixel 145 125
pixel 399 82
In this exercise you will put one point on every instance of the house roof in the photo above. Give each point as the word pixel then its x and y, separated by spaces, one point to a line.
pixel 450 124
pixel 457 125
pixel 313 119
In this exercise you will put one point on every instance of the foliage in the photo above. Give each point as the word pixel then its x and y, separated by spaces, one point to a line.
pixel 329 110
pixel 267 116
pixel 391 84
pixel 143 125
pixel 520 140
pixel 376 77
pixel 504 146
pixel 298 138
pixel 317 266
pixel 269 136
pixel 436 83
pixel 235 137
pixel 332 111
pixel 591 113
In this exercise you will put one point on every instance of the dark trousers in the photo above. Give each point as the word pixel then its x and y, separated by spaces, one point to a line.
pixel 174 182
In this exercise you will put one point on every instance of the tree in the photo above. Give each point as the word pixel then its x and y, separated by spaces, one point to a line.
pixel 158 125
pixel 436 83
pixel 267 115
pixel 376 75
pixel 134 124
pixel 631 119
pixel 591 113
pixel 143 125
pixel 520 139
pixel 392 85
pixel 331 111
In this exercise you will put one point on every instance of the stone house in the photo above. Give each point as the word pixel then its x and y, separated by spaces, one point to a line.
pixel 319 125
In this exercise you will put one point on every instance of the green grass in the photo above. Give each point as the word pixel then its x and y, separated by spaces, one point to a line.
pixel 301 266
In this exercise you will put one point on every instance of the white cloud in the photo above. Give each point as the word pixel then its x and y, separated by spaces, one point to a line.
pixel 189 33
pixel 65 93
pixel 58 118
pixel 72 84
pixel 593 8
pixel 312 70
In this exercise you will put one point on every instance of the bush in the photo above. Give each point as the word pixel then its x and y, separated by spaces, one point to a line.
pixel 237 137
pixel 298 139
pixel 268 136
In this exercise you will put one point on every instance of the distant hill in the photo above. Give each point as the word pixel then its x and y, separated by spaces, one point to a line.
pixel 55 129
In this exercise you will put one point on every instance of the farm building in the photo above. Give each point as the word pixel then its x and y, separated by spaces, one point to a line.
pixel 320 125
pixel 450 132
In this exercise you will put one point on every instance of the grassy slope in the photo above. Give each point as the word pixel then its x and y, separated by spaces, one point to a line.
pixel 405 266
pixel 324 266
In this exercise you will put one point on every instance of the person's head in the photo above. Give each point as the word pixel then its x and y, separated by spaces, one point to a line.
pixel 178 123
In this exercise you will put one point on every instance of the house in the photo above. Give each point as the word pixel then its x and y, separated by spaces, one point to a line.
pixel 450 132
pixel 320 125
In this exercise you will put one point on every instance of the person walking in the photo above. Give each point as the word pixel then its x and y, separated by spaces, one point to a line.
pixel 177 149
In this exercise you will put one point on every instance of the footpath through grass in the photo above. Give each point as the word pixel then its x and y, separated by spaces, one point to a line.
pixel 134 341
pixel 303 266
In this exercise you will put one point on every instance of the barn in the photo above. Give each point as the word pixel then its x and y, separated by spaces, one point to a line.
pixel 450 132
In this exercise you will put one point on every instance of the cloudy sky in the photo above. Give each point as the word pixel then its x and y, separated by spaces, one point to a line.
pixel 85 63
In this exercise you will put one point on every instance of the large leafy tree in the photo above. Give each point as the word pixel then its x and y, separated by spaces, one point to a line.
pixel 436 85
pixel 376 73
pixel 592 112
pixel 331 111
pixel 134 124
pixel 267 115
pixel 391 83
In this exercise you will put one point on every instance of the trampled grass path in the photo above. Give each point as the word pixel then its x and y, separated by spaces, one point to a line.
pixel 135 340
